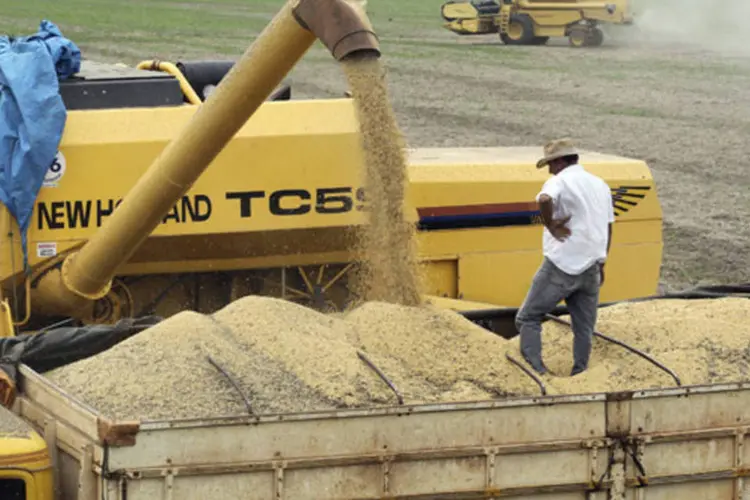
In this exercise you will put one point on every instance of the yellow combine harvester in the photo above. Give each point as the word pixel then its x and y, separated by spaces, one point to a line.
pixel 534 22
pixel 219 204
pixel 272 213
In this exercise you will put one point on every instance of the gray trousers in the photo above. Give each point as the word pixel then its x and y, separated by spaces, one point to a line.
pixel 550 286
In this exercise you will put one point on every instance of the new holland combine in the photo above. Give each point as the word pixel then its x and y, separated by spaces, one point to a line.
pixel 225 197
pixel 534 22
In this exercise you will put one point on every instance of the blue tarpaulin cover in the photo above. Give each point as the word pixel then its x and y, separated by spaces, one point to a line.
pixel 32 115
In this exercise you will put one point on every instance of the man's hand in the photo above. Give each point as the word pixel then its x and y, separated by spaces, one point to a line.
pixel 559 229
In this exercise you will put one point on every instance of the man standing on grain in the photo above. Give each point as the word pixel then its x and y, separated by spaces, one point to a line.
pixel 578 213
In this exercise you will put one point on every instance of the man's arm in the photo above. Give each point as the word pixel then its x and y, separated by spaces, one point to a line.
pixel 547 209
pixel 610 220
pixel 557 228
pixel 601 265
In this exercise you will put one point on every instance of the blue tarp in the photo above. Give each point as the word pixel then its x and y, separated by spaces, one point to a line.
pixel 32 115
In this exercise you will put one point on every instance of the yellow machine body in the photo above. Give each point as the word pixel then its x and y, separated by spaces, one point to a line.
pixel 533 22
pixel 272 214
pixel 25 465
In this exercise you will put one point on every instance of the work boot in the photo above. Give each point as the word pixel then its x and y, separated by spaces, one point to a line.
pixel 539 367
pixel 575 371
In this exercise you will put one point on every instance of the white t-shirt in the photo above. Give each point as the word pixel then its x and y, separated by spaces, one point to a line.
pixel 587 199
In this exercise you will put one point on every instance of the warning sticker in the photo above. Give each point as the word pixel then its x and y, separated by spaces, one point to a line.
pixel 46 249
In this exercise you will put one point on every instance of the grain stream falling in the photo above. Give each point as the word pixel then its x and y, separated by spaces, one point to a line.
pixel 288 358
pixel 387 245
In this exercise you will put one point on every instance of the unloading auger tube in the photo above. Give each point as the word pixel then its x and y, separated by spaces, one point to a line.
pixel 72 288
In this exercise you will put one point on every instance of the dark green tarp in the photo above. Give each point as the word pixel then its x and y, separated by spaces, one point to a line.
pixel 58 347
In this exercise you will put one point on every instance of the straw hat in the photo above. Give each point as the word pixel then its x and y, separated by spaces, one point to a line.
pixel 556 149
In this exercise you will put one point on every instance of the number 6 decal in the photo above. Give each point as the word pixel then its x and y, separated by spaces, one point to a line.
pixel 55 171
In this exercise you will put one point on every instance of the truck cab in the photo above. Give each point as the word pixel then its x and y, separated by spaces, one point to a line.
pixel 25 465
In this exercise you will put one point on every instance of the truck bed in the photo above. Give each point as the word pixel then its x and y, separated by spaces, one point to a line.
pixel 686 443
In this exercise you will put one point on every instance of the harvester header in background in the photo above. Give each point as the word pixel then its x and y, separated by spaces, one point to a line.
pixel 534 22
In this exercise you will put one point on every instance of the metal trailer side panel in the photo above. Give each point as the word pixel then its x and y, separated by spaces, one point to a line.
pixel 75 428
pixel 368 432
pixel 690 443
pixel 440 451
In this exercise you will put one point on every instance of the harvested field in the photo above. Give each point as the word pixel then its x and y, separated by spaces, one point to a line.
pixel 287 358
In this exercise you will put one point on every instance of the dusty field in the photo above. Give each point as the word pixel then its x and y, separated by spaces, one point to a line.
pixel 682 108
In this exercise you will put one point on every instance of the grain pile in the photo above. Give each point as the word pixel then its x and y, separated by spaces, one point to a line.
pixel 11 426
pixel 439 346
pixel 388 243
pixel 289 358
pixel 163 373
pixel 702 341
pixel 305 343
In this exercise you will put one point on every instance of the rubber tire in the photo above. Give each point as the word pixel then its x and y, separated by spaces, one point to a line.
pixel 581 35
pixel 527 35
pixel 595 38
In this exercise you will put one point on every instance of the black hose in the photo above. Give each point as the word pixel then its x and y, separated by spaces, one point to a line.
pixel 624 345
pixel 528 372
pixel 382 376
pixel 232 381
pixel 712 292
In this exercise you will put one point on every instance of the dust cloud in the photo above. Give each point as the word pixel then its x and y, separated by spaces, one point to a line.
pixel 714 25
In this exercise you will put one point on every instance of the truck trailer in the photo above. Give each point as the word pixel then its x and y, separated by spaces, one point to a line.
pixel 689 443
